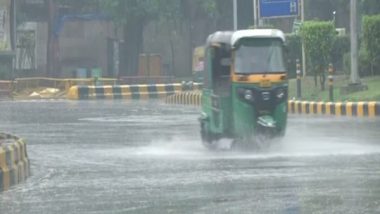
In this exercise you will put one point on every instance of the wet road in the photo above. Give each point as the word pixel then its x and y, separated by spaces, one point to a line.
pixel 146 157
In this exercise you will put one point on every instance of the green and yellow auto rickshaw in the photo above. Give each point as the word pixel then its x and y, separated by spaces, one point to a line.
pixel 245 89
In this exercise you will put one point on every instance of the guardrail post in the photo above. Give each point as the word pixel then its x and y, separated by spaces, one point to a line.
pixel 331 82
pixel 299 73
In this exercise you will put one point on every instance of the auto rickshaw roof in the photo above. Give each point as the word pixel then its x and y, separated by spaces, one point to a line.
pixel 220 38
pixel 257 33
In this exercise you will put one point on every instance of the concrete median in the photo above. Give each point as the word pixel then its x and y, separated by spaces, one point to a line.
pixel 356 109
pixel 14 162
pixel 353 109
pixel 136 92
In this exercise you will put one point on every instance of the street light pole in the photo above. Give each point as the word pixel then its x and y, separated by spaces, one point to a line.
pixel 354 43
pixel 303 45
pixel 235 14
pixel 255 13
pixel 13 35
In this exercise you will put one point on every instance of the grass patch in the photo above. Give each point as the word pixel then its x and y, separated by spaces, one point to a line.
pixel 312 93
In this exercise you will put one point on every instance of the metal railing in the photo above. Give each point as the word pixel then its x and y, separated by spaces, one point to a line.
pixel 6 88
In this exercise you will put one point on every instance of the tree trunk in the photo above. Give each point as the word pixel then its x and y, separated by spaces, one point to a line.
pixel 133 40
pixel 189 8
pixel 322 77
pixel 315 76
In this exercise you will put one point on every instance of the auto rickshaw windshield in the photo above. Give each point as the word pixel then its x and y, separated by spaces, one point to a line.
pixel 259 55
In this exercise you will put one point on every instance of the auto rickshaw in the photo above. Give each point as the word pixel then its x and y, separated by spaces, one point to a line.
pixel 245 89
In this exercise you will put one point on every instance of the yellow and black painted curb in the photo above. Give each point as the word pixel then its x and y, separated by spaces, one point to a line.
pixel 353 109
pixel 14 162
pixel 192 98
pixel 129 91
pixel 356 109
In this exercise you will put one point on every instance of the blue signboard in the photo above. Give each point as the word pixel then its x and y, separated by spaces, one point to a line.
pixel 278 8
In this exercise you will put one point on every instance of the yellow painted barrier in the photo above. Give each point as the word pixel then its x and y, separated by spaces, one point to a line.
pixel 152 91
pixel 21 84
pixel 356 109
pixel 14 162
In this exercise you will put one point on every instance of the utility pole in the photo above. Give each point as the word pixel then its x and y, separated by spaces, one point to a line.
pixel 255 13
pixel 49 49
pixel 13 24
pixel 235 15
pixel 354 43
pixel 13 28
pixel 53 43
pixel 303 45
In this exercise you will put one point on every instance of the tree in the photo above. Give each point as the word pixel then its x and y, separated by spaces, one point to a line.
pixel 370 7
pixel 133 15
pixel 130 16
pixel 371 39
pixel 318 38
pixel 55 9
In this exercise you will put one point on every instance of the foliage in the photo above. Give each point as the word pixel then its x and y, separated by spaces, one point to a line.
pixel 340 47
pixel 371 38
pixel 78 7
pixel 370 7
pixel 364 63
pixel 133 15
pixel 209 6
pixel 294 46
pixel 123 10
pixel 318 38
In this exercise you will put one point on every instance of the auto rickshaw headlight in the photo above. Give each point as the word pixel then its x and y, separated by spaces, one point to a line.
pixel 248 95
pixel 280 93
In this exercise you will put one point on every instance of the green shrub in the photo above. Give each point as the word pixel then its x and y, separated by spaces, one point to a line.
pixel 340 47
pixel 318 38
pixel 371 38
pixel 363 63
pixel 294 46
pixel 347 63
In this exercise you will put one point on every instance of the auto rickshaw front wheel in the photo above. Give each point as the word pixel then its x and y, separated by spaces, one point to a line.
pixel 207 137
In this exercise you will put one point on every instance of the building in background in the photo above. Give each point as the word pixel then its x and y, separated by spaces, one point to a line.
pixel 7 54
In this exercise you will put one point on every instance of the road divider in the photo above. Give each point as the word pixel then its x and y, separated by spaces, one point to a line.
pixel 192 98
pixel 353 109
pixel 14 162
pixel 358 109
pixel 129 91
